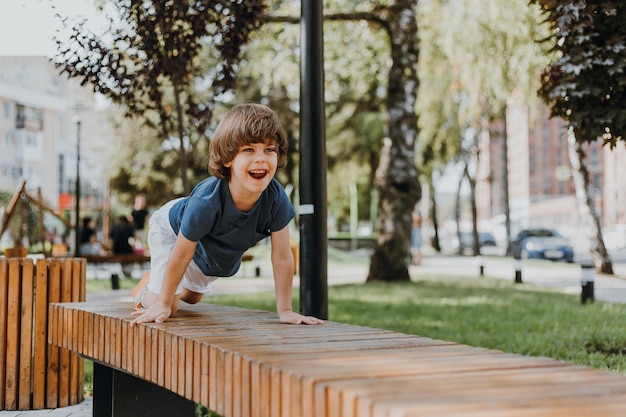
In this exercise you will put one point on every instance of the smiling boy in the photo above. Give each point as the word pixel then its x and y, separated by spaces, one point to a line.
pixel 196 239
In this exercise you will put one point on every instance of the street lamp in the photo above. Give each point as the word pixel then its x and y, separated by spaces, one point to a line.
pixel 77 192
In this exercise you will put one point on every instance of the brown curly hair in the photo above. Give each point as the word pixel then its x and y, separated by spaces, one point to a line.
pixel 245 124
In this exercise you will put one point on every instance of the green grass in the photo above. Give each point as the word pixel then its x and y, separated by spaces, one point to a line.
pixel 104 284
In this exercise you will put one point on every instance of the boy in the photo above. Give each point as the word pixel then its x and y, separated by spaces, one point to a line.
pixel 195 239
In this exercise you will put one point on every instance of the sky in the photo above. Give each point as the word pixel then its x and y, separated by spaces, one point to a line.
pixel 27 26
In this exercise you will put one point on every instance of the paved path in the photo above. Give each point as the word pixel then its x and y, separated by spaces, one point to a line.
pixel 563 277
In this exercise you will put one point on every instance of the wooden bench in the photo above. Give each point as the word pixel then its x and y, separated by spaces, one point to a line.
pixel 241 363
pixel 123 260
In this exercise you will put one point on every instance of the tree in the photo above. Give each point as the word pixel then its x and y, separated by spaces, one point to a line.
pixel 396 179
pixel 586 86
pixel 151 63
pixel 475 57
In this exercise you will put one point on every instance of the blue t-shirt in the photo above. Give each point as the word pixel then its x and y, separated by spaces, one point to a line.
pixel 208 216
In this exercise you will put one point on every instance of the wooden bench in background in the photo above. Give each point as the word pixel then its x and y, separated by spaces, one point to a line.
pixel 241 363
pixel 130 259
pixel 33 374
pixel 123 260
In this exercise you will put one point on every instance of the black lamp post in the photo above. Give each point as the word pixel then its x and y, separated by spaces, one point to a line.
pixel 313 201
pixel 77 193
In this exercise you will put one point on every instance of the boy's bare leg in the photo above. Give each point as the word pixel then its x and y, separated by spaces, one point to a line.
pixel 148 298
pixel 142 283
pixel 191 297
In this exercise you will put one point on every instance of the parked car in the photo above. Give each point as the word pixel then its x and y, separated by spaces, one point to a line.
pixel 467 240
pixel 540 243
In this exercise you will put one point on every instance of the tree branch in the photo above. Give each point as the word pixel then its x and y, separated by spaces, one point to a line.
pixel 368 16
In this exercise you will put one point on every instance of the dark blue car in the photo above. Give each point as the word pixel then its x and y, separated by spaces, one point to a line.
pixel 542 243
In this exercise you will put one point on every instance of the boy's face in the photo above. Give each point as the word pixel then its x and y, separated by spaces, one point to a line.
pixel 254 166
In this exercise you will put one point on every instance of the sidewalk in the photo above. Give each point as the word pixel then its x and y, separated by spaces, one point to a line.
pixel 560 276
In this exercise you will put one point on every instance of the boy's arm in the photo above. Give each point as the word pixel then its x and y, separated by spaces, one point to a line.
pixel 177 263
pixel 283 267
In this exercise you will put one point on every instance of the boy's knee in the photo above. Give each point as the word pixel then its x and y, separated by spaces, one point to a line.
pixel 191 297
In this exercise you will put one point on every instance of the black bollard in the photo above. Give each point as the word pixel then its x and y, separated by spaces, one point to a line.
pixel 481 266
pixel 115 281
pixel 518 271
pixel 587 279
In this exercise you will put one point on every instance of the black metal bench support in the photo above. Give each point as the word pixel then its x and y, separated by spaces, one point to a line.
pixel 118 394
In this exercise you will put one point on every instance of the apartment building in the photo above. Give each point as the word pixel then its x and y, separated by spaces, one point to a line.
pixel 46 122
pixel 541 190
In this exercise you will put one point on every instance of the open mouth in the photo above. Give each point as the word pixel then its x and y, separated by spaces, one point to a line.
pixel 258 174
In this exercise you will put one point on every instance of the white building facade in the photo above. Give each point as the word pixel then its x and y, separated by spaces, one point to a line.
pixel 39 136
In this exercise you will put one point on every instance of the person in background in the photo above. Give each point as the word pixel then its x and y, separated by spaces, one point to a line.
pixel 416 238
pixel 93 247
pixel 122 234
pixel 87 235
pixel 140 217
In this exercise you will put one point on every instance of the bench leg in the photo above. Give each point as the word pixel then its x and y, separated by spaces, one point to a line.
pixel 119 394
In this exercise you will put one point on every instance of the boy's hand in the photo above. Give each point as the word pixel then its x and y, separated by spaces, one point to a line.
pixel 291 317
pixel 157 312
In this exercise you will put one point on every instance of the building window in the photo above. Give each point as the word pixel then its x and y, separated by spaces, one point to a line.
pixel 9 140
pixel 29 118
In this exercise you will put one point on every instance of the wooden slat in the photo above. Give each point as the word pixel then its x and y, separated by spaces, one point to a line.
pixel 235 383
pixel 213 381
pixel 167 382
pixel 161 358
pixel 4 305
pixel 52 369
pixel 13 332
pixel 64 354
pixel 220 380
pixel 276 388
pixel 40 347
pixel 153 364
pixel 26 334
pixel 205 365
pixel 79 268
pixel 190 375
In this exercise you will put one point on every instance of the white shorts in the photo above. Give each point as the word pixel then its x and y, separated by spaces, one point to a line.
pixel 161 240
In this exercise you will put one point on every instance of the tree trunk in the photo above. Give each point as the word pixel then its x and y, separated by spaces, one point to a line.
pixel 457 211
pixel 505 182
pixel 434 220
pixel 182 150
pixel 472 185
pixel 396 177
pixel 586 209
